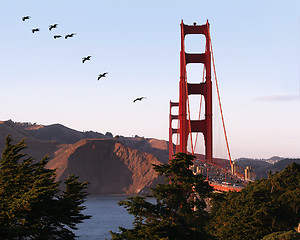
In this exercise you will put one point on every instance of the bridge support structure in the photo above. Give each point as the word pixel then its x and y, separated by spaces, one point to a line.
pixel 186 125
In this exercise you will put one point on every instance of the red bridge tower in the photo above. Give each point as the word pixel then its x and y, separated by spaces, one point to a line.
pixel 186 125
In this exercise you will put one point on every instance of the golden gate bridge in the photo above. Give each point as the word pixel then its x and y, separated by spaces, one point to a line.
pixel 215 169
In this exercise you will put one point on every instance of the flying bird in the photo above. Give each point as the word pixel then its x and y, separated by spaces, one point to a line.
pixel 70 35
pixel 53 26
pixel 138 99
pixel 25 18
pixel 102 75
pixel 57 36
pixel 35 30
pixel 86 58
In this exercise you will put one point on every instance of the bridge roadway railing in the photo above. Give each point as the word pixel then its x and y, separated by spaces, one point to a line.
pixel 225 187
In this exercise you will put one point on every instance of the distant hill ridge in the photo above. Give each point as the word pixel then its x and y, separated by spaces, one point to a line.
pixel 120 165
pixel 262 167
pixel 271 160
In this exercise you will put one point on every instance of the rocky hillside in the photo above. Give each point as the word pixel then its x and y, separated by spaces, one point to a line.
pixel 112 165
pixel 109 166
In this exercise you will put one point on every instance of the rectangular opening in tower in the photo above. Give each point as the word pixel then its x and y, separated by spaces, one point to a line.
pixel 195 73
pixel 195 43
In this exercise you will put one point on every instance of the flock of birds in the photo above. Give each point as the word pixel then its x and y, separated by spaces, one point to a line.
pixel 84 59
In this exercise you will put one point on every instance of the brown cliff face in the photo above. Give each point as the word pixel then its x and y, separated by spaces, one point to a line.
pixel 109 166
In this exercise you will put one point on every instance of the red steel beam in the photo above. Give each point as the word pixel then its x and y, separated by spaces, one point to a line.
pixel 185 89
pixel 205 89
pixel 172 130
pixel 183 122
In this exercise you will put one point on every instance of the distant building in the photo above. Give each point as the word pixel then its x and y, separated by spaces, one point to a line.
pixel 234 168
pixel 249 174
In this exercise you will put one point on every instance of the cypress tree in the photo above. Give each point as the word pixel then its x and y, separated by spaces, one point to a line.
pixel 263 207
pixel 31 205
pixel 177 208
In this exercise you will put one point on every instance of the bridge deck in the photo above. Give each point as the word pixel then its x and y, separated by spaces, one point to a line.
pixel 225 188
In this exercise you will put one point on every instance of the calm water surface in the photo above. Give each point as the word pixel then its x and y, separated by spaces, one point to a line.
pixel 106 215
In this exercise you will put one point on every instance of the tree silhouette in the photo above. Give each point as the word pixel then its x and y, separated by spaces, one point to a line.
pixel 178 211
pixel 261 208
pixel 30 204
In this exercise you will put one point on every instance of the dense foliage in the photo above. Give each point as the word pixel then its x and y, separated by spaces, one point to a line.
pixel 287 235
pixel 177 208
pixel 268 208
pixel 31 205
pixel 263 207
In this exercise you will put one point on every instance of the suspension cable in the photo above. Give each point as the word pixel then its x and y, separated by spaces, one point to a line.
pixel 200 108
pixel 177 138
pixel 223 122
pixel 201 98
pixel 189 116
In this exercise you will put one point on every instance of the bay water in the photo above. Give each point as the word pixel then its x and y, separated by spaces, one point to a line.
pixel 107 216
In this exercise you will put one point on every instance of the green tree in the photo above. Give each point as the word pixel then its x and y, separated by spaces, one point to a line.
pixel 31 205
pixel 261 208
pixel 177 208
pixel 287 235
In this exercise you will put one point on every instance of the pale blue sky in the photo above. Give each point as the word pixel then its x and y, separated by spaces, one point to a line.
pixel 257 54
